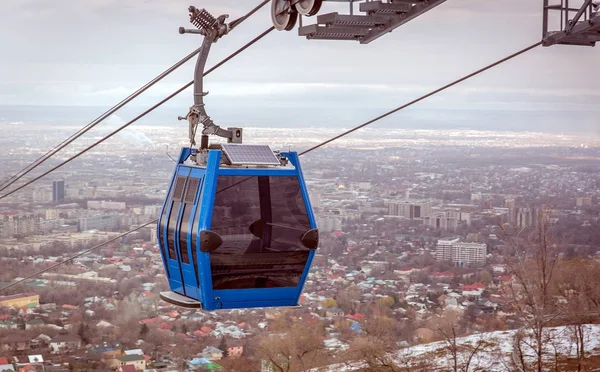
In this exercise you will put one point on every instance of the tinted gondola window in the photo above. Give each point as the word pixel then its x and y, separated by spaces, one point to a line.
pixel 261 221
pixel 196 218
pixel 177 195
pixel 185 222
pixel 171 230
pixel 190 195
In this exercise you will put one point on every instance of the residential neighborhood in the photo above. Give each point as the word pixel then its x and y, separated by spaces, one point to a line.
pixel 405 245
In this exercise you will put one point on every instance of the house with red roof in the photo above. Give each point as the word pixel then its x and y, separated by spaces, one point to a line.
pixel 473 290
pixel 442 275
pixel 358 317
pixel 135 361
pixel 26 311
pixel 149 321
pixel 408 270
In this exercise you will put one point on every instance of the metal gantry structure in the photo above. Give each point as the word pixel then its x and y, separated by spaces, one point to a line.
pixel 377 19
pixel 565 22
pixel 571 22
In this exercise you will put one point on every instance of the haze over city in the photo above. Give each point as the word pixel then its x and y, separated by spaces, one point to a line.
pixel 96 53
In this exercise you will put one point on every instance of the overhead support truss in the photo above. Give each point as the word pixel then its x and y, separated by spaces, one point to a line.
pixel 379 18
pixel 571 22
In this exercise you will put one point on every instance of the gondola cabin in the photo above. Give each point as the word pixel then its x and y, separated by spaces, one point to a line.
pixel 236 229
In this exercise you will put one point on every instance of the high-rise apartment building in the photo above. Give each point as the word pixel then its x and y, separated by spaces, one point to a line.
pixel 584 201
pixel 523 217
pixel 58 191
pixel 509 203
pixel 104 222
pixel 329 223
pixel 18 223
pixel 409 209
pixel 460 253
pixel 448 219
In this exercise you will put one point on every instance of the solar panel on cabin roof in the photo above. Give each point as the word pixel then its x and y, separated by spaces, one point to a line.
pixel 250 154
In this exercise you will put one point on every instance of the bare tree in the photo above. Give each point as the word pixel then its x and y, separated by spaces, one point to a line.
pixel 577 284
pixel 373 354
pixel 533 265
pixel 375 349
pixel 294 350
pixel 462 353
pixel 518 356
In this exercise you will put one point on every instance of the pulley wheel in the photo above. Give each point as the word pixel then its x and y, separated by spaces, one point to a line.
pixel 309 7
pixel 283 15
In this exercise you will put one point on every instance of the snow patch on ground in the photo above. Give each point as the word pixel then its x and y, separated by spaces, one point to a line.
pixel 495 354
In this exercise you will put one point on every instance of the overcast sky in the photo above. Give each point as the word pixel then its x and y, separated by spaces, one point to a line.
pixel 95 52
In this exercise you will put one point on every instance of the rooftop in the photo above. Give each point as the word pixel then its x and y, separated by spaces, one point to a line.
pixel 131 358
pixel 17 296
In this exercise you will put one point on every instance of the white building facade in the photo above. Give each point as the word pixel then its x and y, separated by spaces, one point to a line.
pixel 460 253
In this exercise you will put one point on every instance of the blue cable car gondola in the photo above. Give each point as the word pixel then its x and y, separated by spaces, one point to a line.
pixel 237 236
pixel 236 229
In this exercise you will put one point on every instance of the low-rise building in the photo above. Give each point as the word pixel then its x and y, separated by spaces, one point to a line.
pixel 212 353
pixel 34 323
pixel 135 360
pixel 15 343
pixel 20 300
pixel 63 343
pixel 334 312
pixel 235 351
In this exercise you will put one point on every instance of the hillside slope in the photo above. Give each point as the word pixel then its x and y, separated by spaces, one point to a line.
pixel 495 352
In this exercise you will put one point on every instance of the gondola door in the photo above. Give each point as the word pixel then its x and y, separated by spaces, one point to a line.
pixel 182 263
pixel 187 232
pixel 169 223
